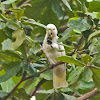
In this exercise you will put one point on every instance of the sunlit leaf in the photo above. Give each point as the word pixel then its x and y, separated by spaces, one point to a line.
pixel 19 35
pixel 15 68
pixel 71 60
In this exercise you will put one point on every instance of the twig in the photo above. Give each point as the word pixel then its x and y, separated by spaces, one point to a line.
pixel 79 43
pixel 54 95
pixel 96 67
pixel 90 94
pixel 51 67
pixel 37 87
pixel 11 92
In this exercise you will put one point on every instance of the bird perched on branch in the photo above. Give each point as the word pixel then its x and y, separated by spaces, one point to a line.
pixel 53 50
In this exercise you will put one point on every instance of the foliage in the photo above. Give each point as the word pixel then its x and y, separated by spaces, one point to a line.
pixel 22 29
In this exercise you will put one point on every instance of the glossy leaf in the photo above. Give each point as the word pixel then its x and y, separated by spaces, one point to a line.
pixel 8 85
pixel 16 66
pixel 75 74
pixel 68 97
pixel 19 35
pixel 48 75
pixel 6 44
pixel 71 60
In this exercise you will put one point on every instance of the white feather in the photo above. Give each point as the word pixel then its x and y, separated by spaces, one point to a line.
pixel 52 51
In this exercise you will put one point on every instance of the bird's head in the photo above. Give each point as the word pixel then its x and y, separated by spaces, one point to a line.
pixel 51 32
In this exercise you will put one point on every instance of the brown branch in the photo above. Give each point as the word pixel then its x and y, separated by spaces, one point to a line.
pixel 78 45
pixel 92 66
pixel 37 87
pixel 12 91
pixel 26 78
pixel 51 67
pixel 90 94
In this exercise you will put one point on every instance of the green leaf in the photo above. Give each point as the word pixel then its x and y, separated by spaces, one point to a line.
pixel 8 1
pixel 85 58
pixel 47 85
pixel 21 94
pixel 6 44
pixel 57 8
pixel 19 35
pixel 94 41
pixel 95 34
pixel 75 74
pixel 67 4
pixel 8 85
pixel 15 68
pixel 86 85
pixel 46 91
pixel 42 96
pixel 87 74
pixel 68 97
pixel 67 90
pixel 33 22
pixel 3 94
pixel 48 75
pixel 94 6
pixel 18 13
pixel 13 25
pixel 80 24
pixel 96 77
pixel 2 25
pixel 71 60
pixel 10 56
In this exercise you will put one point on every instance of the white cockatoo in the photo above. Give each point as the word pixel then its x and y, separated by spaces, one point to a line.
pixel 53 50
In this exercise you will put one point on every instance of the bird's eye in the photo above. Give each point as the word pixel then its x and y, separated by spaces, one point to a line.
pixel 51 33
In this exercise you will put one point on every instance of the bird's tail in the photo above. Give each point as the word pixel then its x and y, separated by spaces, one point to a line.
pixel 59 76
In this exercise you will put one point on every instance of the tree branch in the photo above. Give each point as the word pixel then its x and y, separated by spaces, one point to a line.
pixel 11 92
pixel 92 66
pixel 90 94
pixel 37 87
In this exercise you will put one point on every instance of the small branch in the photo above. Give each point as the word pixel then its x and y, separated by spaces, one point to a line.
pixel 37 87
pixel 79 43
pixel 54 95
pixel 51 67
pixel 90 94
pixel 12 91
pixel 92 66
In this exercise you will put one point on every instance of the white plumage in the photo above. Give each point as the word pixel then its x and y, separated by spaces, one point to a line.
pixel 53 50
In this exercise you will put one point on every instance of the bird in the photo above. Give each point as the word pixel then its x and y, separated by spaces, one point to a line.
pixel 53 50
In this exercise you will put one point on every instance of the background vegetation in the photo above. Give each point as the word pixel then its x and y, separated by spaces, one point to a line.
pixel 24 69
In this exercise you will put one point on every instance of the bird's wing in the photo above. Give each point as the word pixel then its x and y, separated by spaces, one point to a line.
pixel 61 47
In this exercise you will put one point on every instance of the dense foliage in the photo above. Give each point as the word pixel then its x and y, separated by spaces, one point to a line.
pixel 23 65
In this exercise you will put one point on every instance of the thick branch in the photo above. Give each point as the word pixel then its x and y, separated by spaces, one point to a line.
pixel 12 91
pixel 89 94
